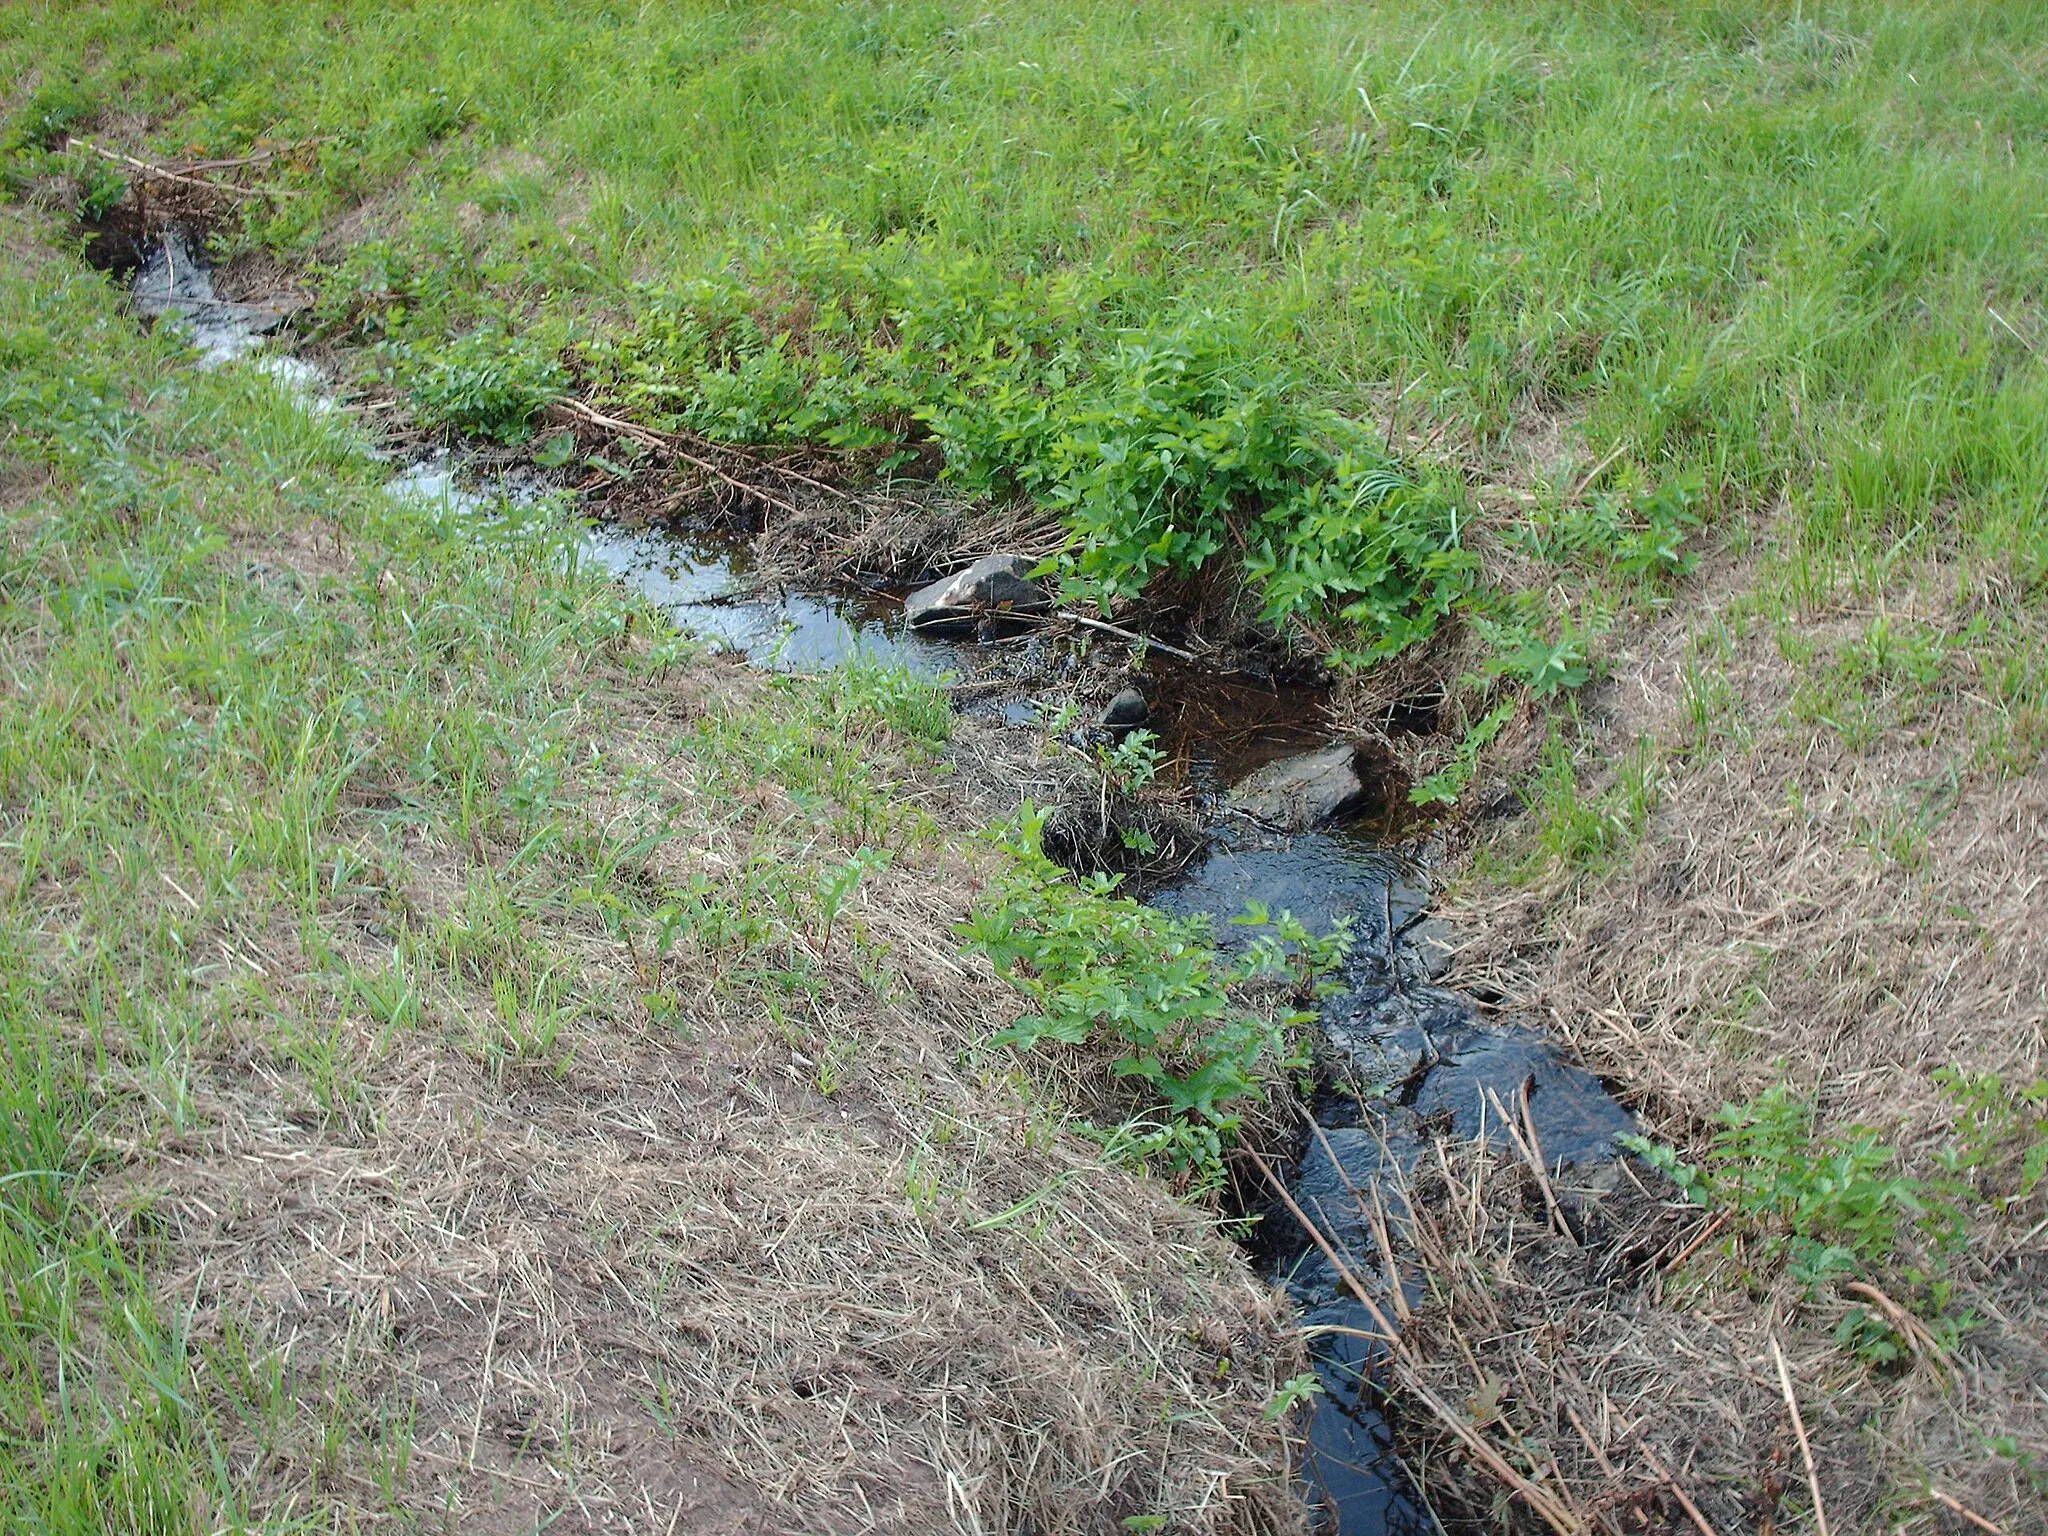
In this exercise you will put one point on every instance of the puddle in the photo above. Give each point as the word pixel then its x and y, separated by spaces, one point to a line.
pixel 1403 1059
pixel 701 581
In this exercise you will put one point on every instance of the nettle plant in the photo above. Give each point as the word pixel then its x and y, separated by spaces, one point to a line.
pixel 1830 1206
pixel 1098 967
pixel 1160 444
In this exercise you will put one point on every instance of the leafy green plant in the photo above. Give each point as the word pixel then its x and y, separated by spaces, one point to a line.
pixel 1640 535
pixel 1544 662
pixel 1291 1394
pixel 869 690
pixel 2001 1132
pixel 1130 763
pixel 1097 966
pixel 488 382
pixel 1450 781
pixel 1829 1204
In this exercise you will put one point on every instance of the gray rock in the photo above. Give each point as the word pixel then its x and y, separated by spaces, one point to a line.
pixel 994 584
pixel 1126 712
pixel 1427 948
pixel 1297 793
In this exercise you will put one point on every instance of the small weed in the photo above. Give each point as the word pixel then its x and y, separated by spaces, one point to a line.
pixel 487 382
pixel 1099 966
pixel 2001 1133
pixel 1829 1205
pixel 1450 781
pixel 1128 765
pixel 1293 1392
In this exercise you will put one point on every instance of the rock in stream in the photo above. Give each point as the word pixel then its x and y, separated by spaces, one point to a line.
pixel 1297 793
pixel 994 585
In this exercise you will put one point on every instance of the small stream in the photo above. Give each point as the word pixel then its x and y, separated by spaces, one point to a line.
pixel 1402 1058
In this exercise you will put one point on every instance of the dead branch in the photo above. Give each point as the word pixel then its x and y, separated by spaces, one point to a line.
pixel 154 172
pixel 1820 1516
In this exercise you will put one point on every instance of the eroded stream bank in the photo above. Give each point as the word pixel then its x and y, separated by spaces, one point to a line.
pixel 1402 1061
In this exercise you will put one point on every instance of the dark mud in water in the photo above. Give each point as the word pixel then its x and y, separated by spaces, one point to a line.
pixel 1402 1060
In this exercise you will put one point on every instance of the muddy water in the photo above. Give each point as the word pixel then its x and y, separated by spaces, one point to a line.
pixel 1402 1059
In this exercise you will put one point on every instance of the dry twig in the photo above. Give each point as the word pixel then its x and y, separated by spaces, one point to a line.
pixel 1820 1516
pixel 154 172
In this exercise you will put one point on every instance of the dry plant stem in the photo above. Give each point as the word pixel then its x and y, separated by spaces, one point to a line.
pixel 1950 1501
pixel 153 172
pixel 1379 1230
pixel 1560 1519
pixel 1534 1163
pixel 665 441
pixel 1125 634
pixel 1692 1510
pixel 1820 1515
pixel 1538 1163
pixel 681 443
pixel 1926 1348
pixel 1706 1234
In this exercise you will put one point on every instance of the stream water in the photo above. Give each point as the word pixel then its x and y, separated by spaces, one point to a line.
pixel 1403 1058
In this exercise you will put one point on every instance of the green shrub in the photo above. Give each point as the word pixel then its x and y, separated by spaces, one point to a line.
pixel 488 382
pixel 1098 966
pixel 1159 445
pixel 1830 1204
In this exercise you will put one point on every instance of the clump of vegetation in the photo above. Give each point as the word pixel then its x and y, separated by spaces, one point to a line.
pixel 1101 968
pixel 489 383
pixel 1827 1204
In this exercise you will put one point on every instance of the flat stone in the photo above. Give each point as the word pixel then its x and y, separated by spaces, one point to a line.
pixel 1427 948
pixel 1126 712
pixel 1297 793
pixel 993 585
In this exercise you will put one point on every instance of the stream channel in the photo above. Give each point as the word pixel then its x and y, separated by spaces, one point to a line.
pixel 1402 1059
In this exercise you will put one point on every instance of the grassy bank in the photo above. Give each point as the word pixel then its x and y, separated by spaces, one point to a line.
pixel 1145 267
pixel 471 1062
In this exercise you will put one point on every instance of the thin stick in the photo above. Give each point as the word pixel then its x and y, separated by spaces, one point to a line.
pixel 1693 1247
pixel 483 1387
pixel 1556 1517
pixel 1536 1161
pixel 663 440
pixel 1925 1346
pixel 165 173
pixel 1592 1445
pixel 1595 473
pixel 1534 1165
pixel 1124 634
pixel 1965 1511
pixel 1379 1231
pixel 1820 1515
pixel 1692 1510
pixel 1389 1334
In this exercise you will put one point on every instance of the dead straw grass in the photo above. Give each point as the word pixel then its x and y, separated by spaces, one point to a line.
pixel 674 1286
pixel 1783 917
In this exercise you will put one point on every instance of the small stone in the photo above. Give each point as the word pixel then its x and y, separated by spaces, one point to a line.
pixel 1126 712
pixel 993 585
pixel 1428 948
pixel 1297 793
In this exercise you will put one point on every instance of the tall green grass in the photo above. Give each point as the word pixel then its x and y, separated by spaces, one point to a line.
pixel 1779 256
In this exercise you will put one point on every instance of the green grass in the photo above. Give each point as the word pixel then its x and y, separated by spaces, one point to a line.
pixel 1499 315
pixel 252 707
pixel 1764 257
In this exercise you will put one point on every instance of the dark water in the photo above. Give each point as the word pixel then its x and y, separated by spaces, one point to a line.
pixel 1403 1058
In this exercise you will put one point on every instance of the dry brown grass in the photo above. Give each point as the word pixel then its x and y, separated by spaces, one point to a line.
pixel 1790 912
pixel 661 1281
